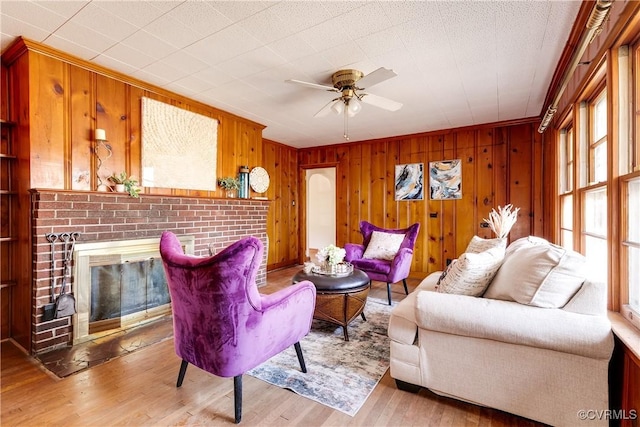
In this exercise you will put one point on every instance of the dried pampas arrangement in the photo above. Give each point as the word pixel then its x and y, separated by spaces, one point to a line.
pixel 501 221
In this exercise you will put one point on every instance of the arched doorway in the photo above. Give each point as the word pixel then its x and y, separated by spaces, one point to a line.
pixel 321 209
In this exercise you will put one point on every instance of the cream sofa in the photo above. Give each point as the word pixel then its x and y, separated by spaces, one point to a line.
pixel 545 364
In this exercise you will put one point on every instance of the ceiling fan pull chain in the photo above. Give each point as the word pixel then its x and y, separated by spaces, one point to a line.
pixel 346 123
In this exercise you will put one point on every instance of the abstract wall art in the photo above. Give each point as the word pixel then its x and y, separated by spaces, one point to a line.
pixel 179 147
pixel 445 180
pixel 410 181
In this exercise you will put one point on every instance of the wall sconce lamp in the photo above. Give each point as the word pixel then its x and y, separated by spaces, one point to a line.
pixel 101 141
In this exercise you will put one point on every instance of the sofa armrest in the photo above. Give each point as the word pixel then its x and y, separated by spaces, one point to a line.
pixel 403 327
pixel 591 298
pixel 514 323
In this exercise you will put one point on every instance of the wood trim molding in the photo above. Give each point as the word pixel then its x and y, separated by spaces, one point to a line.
pixel 439 132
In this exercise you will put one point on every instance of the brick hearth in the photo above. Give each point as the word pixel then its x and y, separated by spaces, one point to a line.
pixel 101 217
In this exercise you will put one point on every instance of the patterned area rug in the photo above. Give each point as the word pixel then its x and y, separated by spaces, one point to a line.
pixel 340 374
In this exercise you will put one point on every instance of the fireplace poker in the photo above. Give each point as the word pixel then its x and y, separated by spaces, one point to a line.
pixel 49 310
pixel 66 303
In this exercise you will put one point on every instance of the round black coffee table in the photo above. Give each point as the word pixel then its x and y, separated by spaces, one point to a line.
pixel 339 299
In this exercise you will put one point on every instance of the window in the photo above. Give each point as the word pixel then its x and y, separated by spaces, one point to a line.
pixel 634 153
pixel 598 161
pixel 598 139
pixel 566 187
pixel 566 221
pixel 592 202
pixel 566 160
pixel 630 196
pixel 631 242
pixel 594 232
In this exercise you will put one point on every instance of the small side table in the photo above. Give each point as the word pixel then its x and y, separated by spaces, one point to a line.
pixel 339 300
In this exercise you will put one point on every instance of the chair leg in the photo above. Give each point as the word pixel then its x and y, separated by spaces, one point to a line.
pixel 389 292
pixel 183 370
pixel 303 367
pixel 237 397
pixel 406 290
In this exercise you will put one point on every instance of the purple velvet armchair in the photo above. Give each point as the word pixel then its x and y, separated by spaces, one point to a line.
pixel 221 323
pixel 389 271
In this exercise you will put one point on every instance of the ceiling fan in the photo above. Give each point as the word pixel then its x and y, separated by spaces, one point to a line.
pixel 350 84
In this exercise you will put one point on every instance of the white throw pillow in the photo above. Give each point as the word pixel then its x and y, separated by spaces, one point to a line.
pixel 471 273
pixel 478 244
pixel 538 273
pixel 445 272
pixel 383 245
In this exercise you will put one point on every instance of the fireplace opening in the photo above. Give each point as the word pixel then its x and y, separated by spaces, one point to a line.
pixel 126 292
pixel 119 284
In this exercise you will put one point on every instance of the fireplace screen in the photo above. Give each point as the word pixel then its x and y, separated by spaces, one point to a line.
pixel 119 290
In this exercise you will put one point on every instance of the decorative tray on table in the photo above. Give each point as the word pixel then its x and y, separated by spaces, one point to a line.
pixel 339 270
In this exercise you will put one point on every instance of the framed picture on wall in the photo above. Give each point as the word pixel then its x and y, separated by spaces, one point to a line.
pixel 445 180
pixel 410 181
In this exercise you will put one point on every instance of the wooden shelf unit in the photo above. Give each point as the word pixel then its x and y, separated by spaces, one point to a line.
pixel 8 238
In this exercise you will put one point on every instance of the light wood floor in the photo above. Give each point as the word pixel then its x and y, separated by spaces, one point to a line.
pixel 139 389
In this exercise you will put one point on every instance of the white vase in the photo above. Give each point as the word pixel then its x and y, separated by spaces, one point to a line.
pixel 120 188
pixel 103 188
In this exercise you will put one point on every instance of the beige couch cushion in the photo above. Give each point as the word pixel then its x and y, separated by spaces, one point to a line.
pixel 510 322
pixel 471 273
pixel 538 273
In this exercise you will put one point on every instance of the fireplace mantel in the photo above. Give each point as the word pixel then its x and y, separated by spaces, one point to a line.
pixel 101 217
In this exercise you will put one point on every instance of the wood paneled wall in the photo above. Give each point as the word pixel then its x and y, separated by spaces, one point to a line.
pixel 500 164
pixel 67 99
pixel 58 101
pixel 281 163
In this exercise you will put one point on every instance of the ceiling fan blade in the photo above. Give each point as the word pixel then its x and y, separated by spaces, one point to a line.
pixel 375 77
pixel 379 101
pixel 327 108
pixel 312 85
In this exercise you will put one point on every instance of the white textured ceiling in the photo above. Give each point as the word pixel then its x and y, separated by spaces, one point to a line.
pixel 459 63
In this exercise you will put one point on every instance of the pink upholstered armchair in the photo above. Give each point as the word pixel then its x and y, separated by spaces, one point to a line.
pixel 221 323
pixel 385 270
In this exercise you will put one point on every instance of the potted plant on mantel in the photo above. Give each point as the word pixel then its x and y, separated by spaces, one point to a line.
pixel 230 185
pixel 125 184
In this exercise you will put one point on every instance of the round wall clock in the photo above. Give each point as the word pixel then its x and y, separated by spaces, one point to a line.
pixel 259 179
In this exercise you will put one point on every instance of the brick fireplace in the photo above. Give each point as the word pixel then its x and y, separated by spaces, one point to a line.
pixel 109 217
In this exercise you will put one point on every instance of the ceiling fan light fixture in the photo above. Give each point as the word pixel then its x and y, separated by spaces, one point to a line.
pixel 354 106
pixel 338 106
